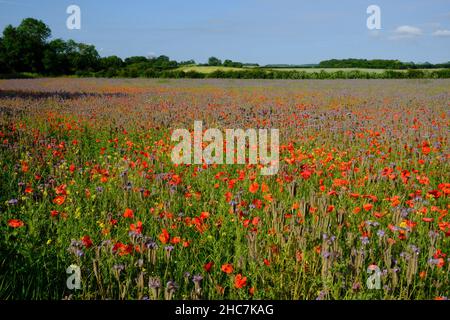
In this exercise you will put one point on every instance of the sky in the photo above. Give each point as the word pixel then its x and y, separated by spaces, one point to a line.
pixel 252 31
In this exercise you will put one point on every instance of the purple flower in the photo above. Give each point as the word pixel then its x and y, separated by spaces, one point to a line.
pixel 433 262
pixel 321 295
pixel 197 278
pixel 414 249
pixel 172 285
pixel 381 233
pixel 13 202
pixel 154 283
pixel 150 244
pixel 364 240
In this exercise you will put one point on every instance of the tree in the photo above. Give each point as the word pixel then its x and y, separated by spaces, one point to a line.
pixel 111 62
pixel 55 60
pixel 4 66
pixel 229 63
pixel 213 61
pixel 187 63
pixel 24 46
pixel 135 59
pixel 82 57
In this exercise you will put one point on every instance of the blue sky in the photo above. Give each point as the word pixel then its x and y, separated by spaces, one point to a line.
pixel 261 31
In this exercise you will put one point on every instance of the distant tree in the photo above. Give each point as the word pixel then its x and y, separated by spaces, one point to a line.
pixel 187 62
pixel 24 46
pixel 56 60
pixel 33 35
pixel 82 57
pixel 227 63
pixel 4 66
pixel 135 59
pixel 111 62
pixel 162 63
pixel 213 61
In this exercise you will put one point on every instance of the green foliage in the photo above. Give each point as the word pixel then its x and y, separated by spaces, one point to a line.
pixel 213 61
pixel 23 47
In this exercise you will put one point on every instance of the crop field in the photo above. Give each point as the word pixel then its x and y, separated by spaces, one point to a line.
pixel 357 210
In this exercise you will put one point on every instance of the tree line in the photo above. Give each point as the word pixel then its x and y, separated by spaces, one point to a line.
pixel 27 50
pixel 379 64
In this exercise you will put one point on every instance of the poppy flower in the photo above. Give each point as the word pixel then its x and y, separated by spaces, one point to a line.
pixel 426 150
pixel 175 240
pixel 240 281
pixel 227 268
pixel 253 187
pixel 306 174
pixel 367 206
pixel 204 215
pixel 87 242
pixel 59 200
pixel 208 266
pixel 128 213
pixel 61 189
pixel 15 223
pixel 136 227
pixel 164 236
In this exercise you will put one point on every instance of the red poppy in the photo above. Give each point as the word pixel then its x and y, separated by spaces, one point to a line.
pixel 61 189
pixel 175 240
pixel 59 200
pixel 306 174
pixel 240 281
pixel 164 236
pixel 253 187
pixel 264 187
pixel 15 223
pixel 204 215
pixel 368 206
pixel 227 268
pixel 426 150
pixel 87 242
pixel 208 266
pixel 128 213
pixel 136 227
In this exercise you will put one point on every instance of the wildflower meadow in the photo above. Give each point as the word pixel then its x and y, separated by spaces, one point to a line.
pixel 93 207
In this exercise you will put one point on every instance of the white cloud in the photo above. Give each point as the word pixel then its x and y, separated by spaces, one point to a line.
pixel 441 33
pixel 406 32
